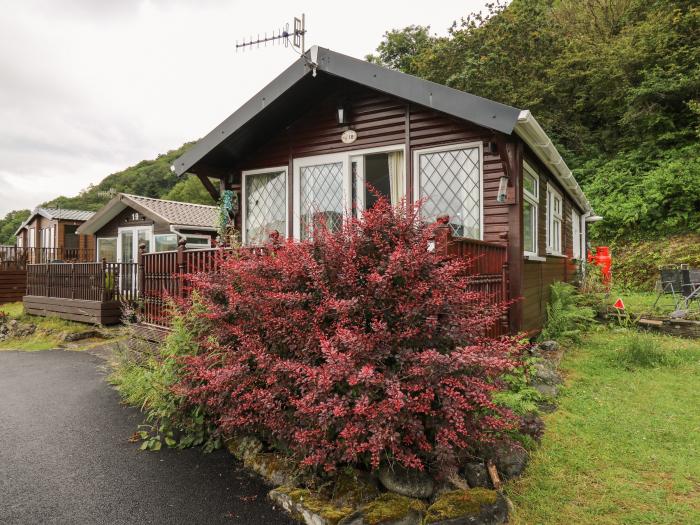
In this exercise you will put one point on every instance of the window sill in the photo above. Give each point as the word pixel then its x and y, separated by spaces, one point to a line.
pixel 558 255
pixel 533 257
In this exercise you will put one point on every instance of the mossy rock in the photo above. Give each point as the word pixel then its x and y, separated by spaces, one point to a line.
pixel 274 468
pixel 308 507
pixel 388 509
pixel 476 506
pixel 352 487
pixel 244 447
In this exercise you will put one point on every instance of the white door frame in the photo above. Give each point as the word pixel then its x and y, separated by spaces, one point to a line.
pixel 244 198
pixel 346 158
pixel 135 239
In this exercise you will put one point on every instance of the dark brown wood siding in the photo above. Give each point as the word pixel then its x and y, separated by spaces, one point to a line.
pixel 381 120
pixel 124 219
pixel 538 276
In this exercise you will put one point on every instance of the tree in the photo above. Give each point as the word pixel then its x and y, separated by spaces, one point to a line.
pixel 190 189
pixel 9 225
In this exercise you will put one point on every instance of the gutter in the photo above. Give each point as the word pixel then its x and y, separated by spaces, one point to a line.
pixel 528 129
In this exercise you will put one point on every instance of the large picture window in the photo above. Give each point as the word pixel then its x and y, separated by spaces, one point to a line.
pixel 554 221
pixel 265 204
pixel 107 249
pixel 166 242
pixel 531 194
pixel 449 179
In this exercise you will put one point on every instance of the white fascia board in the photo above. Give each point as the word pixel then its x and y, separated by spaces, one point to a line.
pixel 528 129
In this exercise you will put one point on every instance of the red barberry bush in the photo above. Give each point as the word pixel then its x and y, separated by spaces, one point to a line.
pixel 357 347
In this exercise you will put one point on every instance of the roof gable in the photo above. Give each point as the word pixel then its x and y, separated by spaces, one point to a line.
pixel 307 76
pixel 185 214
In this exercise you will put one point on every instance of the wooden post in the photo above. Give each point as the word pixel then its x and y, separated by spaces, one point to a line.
pixel 103 280
pixel 72 280
pixel 141 284
pixel 443 235
pixel 181 267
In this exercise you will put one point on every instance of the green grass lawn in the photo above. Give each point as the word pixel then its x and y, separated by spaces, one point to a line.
pixel 624 445
pixel 49 332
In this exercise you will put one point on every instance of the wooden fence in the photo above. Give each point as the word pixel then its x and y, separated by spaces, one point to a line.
pixel 162 274
pixel 100 281
pixel 17 258
pixel 489 266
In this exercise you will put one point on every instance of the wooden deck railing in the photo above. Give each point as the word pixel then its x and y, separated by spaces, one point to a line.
pixel 489 266
pixel 103 281
pixel 17 258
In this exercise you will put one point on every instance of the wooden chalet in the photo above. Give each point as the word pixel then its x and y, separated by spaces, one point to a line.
pixel 306 145
pixel 126 231
pixel 50 234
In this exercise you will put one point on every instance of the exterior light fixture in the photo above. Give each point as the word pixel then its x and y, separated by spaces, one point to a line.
pixel 502 190
pixel 343 114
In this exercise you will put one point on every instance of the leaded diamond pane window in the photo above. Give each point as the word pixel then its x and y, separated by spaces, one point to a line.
pixel 266 206
pixel 321 193
pixel 450 183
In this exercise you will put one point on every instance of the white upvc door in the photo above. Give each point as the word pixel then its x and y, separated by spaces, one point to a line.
pixel 128 241
pixel 322 191
pixel 324 186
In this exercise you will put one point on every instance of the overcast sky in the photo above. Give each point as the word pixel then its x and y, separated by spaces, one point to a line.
pixel 90 87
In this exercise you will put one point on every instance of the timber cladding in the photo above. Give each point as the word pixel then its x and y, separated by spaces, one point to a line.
pixel 92 312
pixel 13 285
pixel 538 277
pixel 380 120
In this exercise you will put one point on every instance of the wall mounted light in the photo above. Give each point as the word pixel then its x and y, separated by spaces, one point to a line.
pixel 343 114
pixel 502 190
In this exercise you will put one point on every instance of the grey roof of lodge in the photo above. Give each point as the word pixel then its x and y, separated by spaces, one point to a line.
pixel 57 214
pixel 300 77
pixel 196 216
pixel 289 95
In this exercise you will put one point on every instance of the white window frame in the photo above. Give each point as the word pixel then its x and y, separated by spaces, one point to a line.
pixel 155 237
pixel 534 200
pixel 244 199
pixel 346 157
pixel 553 193
pixel 450 147
pixel 577 234
pixel 197 236
pixel 97 252
pixel 31 238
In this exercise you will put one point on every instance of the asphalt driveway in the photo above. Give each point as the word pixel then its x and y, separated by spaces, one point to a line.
pixel 65 456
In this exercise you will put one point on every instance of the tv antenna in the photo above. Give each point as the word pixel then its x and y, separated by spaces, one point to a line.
pixel 282 36
pixel 111 192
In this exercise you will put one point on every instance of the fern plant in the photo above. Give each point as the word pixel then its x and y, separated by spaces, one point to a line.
pixel 567 316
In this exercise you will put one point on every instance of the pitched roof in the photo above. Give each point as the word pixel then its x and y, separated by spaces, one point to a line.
pixel 184 214
pixel 180 213
pixel 56 214
pixel 304 81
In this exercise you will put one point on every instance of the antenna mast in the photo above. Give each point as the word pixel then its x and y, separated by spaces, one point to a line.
pixel 282 35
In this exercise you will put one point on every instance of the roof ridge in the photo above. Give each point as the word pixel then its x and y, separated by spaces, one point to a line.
pixel 167 200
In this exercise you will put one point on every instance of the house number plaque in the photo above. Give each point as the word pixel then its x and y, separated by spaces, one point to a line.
pixel 349 136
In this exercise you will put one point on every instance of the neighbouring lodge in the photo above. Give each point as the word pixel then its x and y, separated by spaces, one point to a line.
pixel 51 234
pixel 128 221
pixel 305 150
